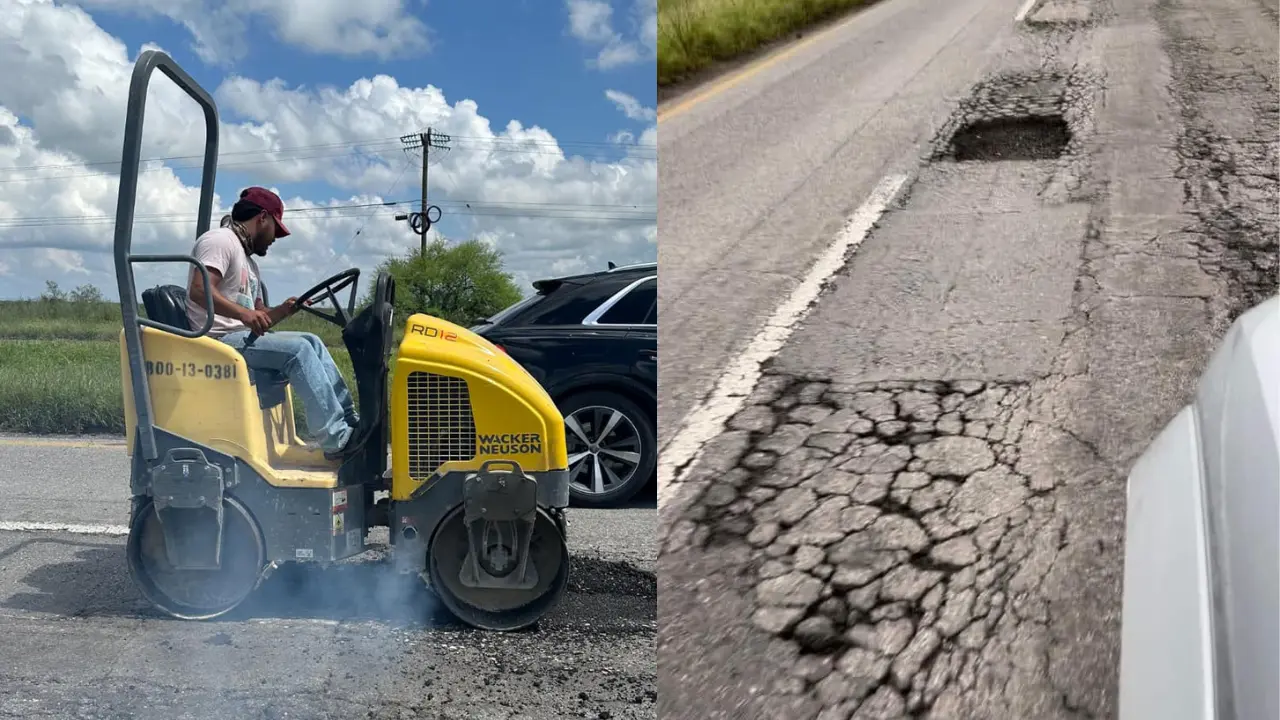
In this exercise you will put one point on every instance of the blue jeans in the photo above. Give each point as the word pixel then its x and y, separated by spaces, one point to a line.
pixel 303 359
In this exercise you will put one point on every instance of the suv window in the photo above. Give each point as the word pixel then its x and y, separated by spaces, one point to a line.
pixel 633 308
pixel 512 309
pixel 569 304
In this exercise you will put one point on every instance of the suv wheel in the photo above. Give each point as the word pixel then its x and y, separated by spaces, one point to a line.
pixel 612 448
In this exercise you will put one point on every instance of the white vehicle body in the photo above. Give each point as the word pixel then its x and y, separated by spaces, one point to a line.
pixel 1200 636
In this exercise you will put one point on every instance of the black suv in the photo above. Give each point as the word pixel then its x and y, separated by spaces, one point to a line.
pixel 592 342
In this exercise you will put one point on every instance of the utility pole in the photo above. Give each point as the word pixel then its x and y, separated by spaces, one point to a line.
pixel 421 222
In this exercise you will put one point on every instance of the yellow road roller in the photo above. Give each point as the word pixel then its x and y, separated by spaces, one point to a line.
pixel 224 491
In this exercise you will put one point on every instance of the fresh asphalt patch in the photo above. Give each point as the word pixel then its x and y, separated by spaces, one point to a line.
pixel 352 640
pixel 49 575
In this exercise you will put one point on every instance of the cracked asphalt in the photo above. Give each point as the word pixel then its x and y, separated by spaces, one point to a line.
pixel 351 641
pixel 919 511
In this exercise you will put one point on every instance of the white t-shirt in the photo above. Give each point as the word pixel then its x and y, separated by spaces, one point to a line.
pixel 220 249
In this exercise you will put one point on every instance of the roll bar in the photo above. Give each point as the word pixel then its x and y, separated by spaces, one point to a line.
pixel 148 62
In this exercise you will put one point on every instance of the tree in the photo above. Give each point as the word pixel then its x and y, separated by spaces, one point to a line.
pixel 87 293
pixel 52 293
pixel 461 283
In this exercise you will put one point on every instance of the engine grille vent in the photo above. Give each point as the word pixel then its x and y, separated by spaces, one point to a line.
pixel 441 426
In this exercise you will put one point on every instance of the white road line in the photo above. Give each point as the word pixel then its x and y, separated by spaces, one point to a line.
pixel 739 379
pixel 71 528
pixel 1022 11
pixel 60 442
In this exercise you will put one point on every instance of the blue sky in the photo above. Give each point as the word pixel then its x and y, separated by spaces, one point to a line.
pixel 576 193
pixel 516 59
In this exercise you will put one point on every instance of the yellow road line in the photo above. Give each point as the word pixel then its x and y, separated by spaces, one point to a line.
pixel 59 442
pixel 751 70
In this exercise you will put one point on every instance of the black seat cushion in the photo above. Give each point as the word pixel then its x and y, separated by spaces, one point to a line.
pixel 167 304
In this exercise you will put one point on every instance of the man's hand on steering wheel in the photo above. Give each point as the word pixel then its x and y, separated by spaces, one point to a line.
pixel 283 310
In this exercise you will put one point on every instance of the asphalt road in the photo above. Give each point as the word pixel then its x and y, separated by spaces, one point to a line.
pixel 916 505
pixel 350 642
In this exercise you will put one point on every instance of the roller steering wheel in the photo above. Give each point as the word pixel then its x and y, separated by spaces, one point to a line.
pixel 328 290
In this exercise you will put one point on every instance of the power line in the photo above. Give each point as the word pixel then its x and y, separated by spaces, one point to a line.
pixel 276 161
pixel 519 204
pixel 350 143
pixel 424 141
pixel 468 139
pixel 644 219
pixel 517 145
pixel 580 216
pixel 221 166
pixel 568 211
pixel 360 229
pixel 474 205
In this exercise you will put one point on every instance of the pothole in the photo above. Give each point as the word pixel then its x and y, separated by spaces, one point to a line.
pixel 1070 14
pixel 1012 115
pixel 1019 138
pixel 1044 115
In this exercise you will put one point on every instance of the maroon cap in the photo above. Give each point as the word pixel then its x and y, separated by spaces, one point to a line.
pixel 270 203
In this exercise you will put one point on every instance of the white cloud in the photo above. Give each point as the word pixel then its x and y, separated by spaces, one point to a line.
pixel 377 28
pixel 630 106
pixel 647 10
pixel 592 22
pixel 67 262
pixel 61 121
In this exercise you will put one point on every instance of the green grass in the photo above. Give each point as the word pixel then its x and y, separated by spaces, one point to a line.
pixel 58 386
pixel 60 365
pixel 693 34
pixel 61 320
